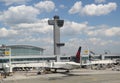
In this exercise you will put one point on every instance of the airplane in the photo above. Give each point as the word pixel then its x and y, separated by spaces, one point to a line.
pixel 73 64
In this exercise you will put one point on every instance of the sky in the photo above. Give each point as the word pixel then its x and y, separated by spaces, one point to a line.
pixel 92 24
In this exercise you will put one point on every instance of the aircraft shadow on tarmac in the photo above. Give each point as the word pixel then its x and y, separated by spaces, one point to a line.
pixel 66 74
pixel 72 74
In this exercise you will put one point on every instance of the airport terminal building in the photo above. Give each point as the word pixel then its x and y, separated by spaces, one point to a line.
pixel 28 53
pixel 21 54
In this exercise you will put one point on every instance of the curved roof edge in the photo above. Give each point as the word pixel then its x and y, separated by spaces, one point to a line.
pixel 28 46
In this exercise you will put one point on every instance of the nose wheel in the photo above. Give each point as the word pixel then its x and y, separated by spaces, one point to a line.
pixel 67 71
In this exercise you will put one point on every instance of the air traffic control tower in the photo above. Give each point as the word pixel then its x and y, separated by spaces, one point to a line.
pixel 57 23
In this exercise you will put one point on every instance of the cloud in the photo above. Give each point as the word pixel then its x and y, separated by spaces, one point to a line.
pixel 19 14
pixel 99 45
pixel 96 41
pixel 25 14
pixel 95 44
pixel 41 27
pixel 100 1
pixel 46 6
pixel 73 28
pixel 105 32
pixel 76 8
pixel 98 10
pixel 115 31
pixel 71 46
pixel 9 2
pixel 33 39
pixel 39 32
pixel 93 9
pixel 5 33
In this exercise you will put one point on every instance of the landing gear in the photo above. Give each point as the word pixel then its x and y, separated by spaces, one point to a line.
pixel 39 73
pixel 55 70
pixel 67 71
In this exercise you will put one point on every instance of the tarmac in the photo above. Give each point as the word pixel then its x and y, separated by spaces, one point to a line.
pixel 74 76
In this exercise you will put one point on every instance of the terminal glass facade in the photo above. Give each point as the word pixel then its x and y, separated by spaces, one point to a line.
pixel 25 50
pixel 20 53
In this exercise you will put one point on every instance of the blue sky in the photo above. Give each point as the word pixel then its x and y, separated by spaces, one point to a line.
pixel 93 24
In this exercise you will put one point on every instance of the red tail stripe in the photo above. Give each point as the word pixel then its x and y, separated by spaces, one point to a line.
pixel 78 55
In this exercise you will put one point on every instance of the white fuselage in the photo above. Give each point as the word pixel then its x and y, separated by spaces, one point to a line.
pixel 65 65
pixel 51 65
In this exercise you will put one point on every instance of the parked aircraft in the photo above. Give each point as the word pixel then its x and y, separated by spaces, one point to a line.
pixel 73 64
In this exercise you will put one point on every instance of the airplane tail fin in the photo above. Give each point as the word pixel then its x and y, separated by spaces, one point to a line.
pixel 78 55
